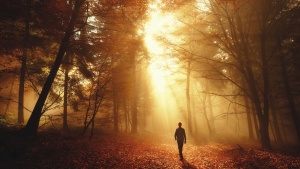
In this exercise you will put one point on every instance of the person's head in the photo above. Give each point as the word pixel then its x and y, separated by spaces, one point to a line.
pixel 179 124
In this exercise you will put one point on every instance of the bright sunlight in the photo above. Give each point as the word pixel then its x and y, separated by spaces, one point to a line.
pixel 159 26
pixel 163 64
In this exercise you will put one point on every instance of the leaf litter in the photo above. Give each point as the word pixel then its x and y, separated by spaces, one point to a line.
pixel 49 150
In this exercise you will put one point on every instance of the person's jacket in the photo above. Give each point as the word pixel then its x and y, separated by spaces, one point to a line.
pixel 180 134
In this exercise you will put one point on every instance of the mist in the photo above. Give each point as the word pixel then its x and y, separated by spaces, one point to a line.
pixel 222 74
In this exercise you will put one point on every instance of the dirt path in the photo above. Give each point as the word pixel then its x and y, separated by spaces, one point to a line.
pixel 132 151
pixel 148 151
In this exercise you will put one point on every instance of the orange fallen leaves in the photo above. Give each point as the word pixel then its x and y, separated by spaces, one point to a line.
pixel 135 151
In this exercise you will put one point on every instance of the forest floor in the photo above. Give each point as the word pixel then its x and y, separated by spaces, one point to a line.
pixel 125 151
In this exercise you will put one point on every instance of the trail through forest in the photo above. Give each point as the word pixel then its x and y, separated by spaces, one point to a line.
pixel 57 150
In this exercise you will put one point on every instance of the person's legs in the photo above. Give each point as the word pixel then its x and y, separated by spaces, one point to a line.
pixel 180 145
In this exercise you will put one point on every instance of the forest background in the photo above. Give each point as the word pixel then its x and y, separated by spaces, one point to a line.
pixel 227 69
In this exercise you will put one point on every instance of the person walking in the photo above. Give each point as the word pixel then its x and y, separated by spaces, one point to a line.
pixel 181 138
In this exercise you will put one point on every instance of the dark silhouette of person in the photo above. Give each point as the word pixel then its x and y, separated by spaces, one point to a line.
pixel 181 138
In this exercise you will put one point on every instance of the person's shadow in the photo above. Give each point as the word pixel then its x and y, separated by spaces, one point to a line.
pixel 187 165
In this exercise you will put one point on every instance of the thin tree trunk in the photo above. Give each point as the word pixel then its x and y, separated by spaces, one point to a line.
pixel 210 108
pixel 206 117
pixel 125 114
pixel 256 124
pixel 33 122
pixel 65 115
pixel 97 103
pixel 134 101
pixel 116 114
pixel 249 119
pixel 115 103
pixel 194 111
pixel 92 130
pixel 188 100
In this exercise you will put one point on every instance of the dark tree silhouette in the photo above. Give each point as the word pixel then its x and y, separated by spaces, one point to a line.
pixel 33 122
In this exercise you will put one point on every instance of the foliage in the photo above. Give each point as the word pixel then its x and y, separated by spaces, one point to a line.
pixel 3 121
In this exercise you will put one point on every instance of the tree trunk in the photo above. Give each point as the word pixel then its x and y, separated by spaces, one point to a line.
pixel 262 109
pixel 126 114
pixel 194 111
pixel 188 100
pixel 248 112
pixel 115 104
pixel 206 117
pixel 249 119
pixel 289 95
pixel 66 82
pixel 116 114
pixel 21 88
pixel 263 120
pixel 255 123
pixel 134 101
pixel 264 132
pixel 93 127
pixel 266 95
pixel 275 122
pixel 263 115
pixel 23 65
pixel 211 112
pixel 33 122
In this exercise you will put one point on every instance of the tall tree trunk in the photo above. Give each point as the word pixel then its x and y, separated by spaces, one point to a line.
pixel 262 109
pixel 275 121
pixel 134 101
pixel 115 103
pixel 116 114
pixel 211 112
pixel 126 114
pixel 21 88
pixel 89 107
pixel 248 112
pixel 194 111
pixel 266 95
pixel 23 64
pixel 256 125
pixel 33 122
pixel 66 83
pixel 289 95
pixel 263 115
pixel 93 127
pixel 263 120
pixel 188 100
pixel 249 119
pixel 206 116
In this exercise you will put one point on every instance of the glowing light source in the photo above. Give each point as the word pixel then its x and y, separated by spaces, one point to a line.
pixel 202 5
pixel 160 26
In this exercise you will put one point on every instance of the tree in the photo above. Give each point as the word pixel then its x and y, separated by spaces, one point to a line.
pixel 33 122
pixel 23 64
pixel 235 40
pixel 125 51
pixel 32 37
pixel 246 30
pixel 98 91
